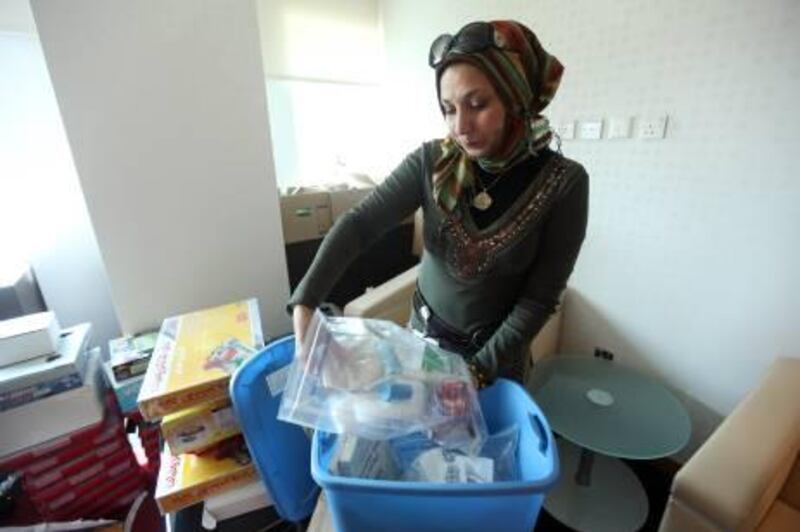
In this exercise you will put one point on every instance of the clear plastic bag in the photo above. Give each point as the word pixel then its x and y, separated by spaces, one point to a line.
pixel 377 380
pixel 419 458
pixel 362 458
pixel 502 449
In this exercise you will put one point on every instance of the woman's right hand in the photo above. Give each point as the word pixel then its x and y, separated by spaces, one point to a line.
pixel 301 317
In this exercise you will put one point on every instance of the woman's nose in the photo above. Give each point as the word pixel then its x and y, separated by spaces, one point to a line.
pixel 463 123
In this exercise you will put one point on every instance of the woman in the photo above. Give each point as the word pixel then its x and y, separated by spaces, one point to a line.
pixel 504 216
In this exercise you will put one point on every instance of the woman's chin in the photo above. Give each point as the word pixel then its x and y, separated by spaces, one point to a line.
pixel 475 151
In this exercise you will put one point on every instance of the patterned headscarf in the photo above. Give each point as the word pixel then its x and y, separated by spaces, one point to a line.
pixel 526 78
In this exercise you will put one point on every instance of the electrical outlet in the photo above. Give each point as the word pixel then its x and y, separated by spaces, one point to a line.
pixel 653 127
pixel 591 129
pixel 619 127
pixel 565 130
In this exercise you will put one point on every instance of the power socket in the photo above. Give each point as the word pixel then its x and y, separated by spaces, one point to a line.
pixel 565 130
pixel 591 129
pixel 653 127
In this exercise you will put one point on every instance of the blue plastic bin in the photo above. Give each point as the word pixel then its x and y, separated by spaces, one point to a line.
pixel 280 451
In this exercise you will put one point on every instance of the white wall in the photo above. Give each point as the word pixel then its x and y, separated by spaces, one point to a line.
pixel 690 267
pixel 165 110
pixel 323 62
pixel 43 218
pixel 321 40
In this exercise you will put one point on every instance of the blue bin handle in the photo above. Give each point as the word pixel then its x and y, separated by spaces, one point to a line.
pixel 541 432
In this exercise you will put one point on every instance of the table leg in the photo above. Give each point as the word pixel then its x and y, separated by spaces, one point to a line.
pixel 596 493
pixel 583 476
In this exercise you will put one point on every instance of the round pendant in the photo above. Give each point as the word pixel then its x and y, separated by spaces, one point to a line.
pixel 482 201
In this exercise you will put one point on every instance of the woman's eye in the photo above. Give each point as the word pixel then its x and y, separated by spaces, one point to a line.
pixel 477 105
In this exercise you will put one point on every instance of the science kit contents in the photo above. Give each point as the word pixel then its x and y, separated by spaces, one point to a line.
pixel 403 409
pixel 377 380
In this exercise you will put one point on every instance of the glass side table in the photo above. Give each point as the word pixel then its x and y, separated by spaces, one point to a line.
pixel 605 411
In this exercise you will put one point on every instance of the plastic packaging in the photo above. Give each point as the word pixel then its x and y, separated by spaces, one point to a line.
pixel 420 458
pixel 376 380
pixel 362 458
pixel 443 465
pixel 502 448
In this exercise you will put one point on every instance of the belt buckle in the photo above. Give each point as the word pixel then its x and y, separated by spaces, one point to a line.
pixel 425 313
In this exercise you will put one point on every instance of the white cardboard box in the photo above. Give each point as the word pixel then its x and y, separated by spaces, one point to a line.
pixel 236 502
pixel 28 337
pixel 56 415
pixel 43 376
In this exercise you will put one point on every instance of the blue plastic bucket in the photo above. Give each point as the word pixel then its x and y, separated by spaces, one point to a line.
pixel 362 504
pixel 281 453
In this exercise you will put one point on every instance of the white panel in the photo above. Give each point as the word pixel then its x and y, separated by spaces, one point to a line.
pixel 321 40
pixel 43 219
pixel 164 106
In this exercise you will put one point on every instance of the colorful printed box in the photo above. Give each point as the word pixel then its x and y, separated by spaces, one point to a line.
pixel 126 392
pixel 195 429
pixel 195 355
pixel 189 478
pixel 129 355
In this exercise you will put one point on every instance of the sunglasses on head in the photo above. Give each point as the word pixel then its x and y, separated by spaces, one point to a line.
pixel 474 37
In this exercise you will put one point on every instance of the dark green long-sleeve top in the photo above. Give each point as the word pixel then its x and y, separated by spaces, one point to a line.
pixel 508 264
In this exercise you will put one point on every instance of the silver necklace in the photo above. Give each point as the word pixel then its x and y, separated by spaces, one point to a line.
pixel 483 200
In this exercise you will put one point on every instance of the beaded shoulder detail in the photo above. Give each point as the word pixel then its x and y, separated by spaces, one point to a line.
pixel 471 255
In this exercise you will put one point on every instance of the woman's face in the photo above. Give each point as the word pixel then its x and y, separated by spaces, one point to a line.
pixel 472 109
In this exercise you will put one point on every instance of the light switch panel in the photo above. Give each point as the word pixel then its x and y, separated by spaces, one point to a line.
pixel 565 130
pixel 619 127
pixel 653 127
pixel 591 129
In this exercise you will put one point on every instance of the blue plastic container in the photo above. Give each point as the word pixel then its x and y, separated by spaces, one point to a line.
pixel 281 453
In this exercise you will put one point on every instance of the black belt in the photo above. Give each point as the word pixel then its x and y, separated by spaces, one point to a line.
pixel 449 337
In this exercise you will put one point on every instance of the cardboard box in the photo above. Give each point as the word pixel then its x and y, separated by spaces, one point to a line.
pixel 100 502
pixel 305 216
pixel 44 456
pixel 126 392
pixel 42 377
pixel 85 500
pixel 54 416
pixel 27 337
pixel 129 355
pixel 86 478
pixel 86 485
pixel 197 428
pixel 345 199
pixel 89 456
pixel 308 214
pixel 233 503
pixel 196 354
pixel 79 445
pixel 118 496
pixel 189 478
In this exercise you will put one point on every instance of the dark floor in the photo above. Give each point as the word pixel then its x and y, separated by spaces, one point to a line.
pixel 655 476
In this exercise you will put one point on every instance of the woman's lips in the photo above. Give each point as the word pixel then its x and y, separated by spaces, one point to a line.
pixel 472 144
